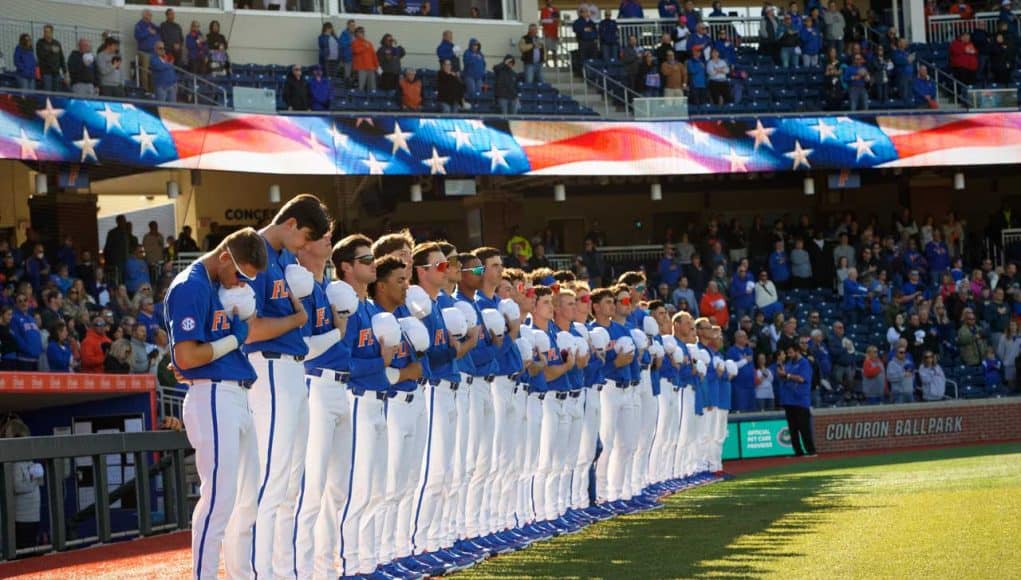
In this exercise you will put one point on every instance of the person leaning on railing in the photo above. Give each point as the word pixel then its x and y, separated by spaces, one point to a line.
pixel 108 65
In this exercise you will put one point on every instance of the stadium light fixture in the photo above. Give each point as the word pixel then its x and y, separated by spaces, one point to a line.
pixel 809 186
pixel 416 193
pixel 274 193
pixel 559 192
pixel 656 192
pixel 173 190
pixel 41 187
pixel 959 181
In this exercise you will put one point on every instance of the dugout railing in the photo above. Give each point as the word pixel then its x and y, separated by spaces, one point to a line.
pixel 155 454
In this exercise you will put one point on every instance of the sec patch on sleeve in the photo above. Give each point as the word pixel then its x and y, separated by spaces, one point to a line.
pixel 188 324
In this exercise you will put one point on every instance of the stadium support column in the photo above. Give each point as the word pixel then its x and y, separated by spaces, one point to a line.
pixel 914 20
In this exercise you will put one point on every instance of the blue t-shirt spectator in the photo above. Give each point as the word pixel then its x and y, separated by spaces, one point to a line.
pixel 146 35
pixel 923 89
pixel 136 273
pixel 473 63
pixel 696 73
pixel 24 62
pixel 58 356
pixel 608 34
pixel 811 40
pixel 320 91
pixel 630 9
pixel 669 9
pixel 779 267
pixel 163 73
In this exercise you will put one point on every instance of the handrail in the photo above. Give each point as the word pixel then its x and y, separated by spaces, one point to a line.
pixel 195 81
pixel 947 27
pixel 607 82
pixel 958 96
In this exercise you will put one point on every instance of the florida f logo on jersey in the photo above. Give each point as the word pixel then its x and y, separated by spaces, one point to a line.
pixel 220 321
pixel 279 290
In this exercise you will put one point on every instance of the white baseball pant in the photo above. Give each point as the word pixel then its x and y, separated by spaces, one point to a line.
pixel 460 479
pixel 551 456
pixel 276 399
pixel 219 427
pixel 359 532
pixel 325 485
pixel 481 425
pixel 437 468
pixel 704 423
pixel 574 413
pixel 667 418
pixel 532 432
pixel 587 438
pixel 688 436
pixel 506 437
pixel 405 449
pixel 610 465
pixel 646 409
pixel 449 532
pixel 285 562
pixel 719 436
pixel 518 491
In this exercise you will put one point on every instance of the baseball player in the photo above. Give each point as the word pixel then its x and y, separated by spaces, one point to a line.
pixel 430 267
pixel 744 359
pixel 611 465
pixel 688 377
pixel 710 389
pixel 327 462
pixel 667 413
pixel 279 397
pixel 205 341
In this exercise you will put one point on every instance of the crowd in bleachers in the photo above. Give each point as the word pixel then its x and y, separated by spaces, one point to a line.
pixel 884 314
pixel 65 310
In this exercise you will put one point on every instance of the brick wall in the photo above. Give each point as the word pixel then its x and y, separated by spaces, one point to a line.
pixel 918 424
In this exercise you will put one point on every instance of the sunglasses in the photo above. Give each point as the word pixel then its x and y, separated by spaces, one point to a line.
pixel 585 299
pixel 640 288
pixel 237 268
pixel 555 288
pixel 439 266
pixel 626 300
pixel 364 259
pixel 477 270
pixel 530 292
pixel 900 352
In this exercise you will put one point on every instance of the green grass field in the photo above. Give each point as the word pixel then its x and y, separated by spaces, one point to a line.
pixel 950 513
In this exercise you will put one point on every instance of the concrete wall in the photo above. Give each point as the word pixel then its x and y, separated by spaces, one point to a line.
pixel 275 38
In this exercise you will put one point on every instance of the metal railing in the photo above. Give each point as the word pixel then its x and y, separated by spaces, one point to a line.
pixel 947 85
pixel 189 83
pixel 648 31
pixel 170 401
pixel 68 36
pixel 612 255
pixel 946 27
pixel 52 451
pixel 611 89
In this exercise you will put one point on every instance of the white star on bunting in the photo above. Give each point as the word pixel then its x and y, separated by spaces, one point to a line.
pixel 146 142
pixel 460 137
pixel 339 138
pixel 825 130
pixel 761 135
pixel 737 162
pixel 399 139
pixel 50 117
pixel 28 146
pixel 861 147
pixel 376 167
pixel 799 155
pixel 476 124
pixel 436 163
pixel 88 145
pixel 496 157
pixel 113 118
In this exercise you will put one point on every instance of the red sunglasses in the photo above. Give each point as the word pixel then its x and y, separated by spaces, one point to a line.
pixel 625 300
pixel 555 288
pixel 585 299
pixel 529 292
pixel 440 266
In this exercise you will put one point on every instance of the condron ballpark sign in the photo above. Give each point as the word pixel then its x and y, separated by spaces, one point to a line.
pixel 883 428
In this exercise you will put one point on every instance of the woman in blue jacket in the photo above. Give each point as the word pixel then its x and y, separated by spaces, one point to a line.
pixel 473 67
pixel 24 62
pixel 58 353
pixel 329 50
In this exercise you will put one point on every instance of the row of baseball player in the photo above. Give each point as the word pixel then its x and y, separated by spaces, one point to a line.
pixel 428 408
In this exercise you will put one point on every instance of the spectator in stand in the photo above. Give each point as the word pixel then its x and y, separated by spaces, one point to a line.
pixel 669 9
pixel 1007 350
pixel 473 68
pixel 108 66
pixel 779 266
pixel 675 76
pixel 449 88
pixel 586 32
pixel 873 384
pixel 37 269
pixel 50 56
pixel 164 77
pixel 219 60
pixel 904 69
pixel 197 49
pixel 538 259
pixel 549 17
pixel 185 243
pixel 718 72
pixel 700 42
pixel 1002 56
pixel 880 66
pixel 801 265
pixel 742 290
pixel 346 40
pixel 51 314
pixel 58 350
pixel 992 371
pixel 630 9
pixel 931 377
pixel 505 88
pixel 767 298
pixel 970 342
pixel 833 28
pixel 8 344
pixel 329 50
pixel 665 44
pixel 320 91
pixel 790 43
pixel 26 334
pixel 649 82
pixel 152 243
pixel 962 9
pixel 389 55
pixel 609 38
pixel 27 478
pixel 669 269
pixel 146 37
pixel 143 354
pixel 963 59
pixel 692 16
pixel 713 305
pixel 811 42
pixel 900 371
pixel 411 91
pixel 857 79
pixel 364 61
pixel 764 396
pixel 683 292
pixel 698 93
pixel 842 351
pixel 173 38
pixel 118 357
pixel 24 63
pixel 213 37
pixel 447 50
pixel 532 54
pixel 296 96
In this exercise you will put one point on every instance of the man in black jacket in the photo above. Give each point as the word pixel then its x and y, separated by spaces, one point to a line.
pixel 50 56
pixel 296 94
pixel 820 254
pixel 505 86
pixel 81 66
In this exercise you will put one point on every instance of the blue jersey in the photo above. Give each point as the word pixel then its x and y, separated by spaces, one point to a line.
pixel 150 323
pixel 444 300
pixel 193 311
pixel 507 357
pixel 667 371
pixel 59 357
pixel 442 354
pixel 538 384
pixel 577 373
pixel 484 354
pixel 687 375
pixel 27 336
pixel 610 370
pixel 553 359
pixel 793 393
pixel 723 387
pixel 366 363
pixel 273 300
pixel 320 321
pixel 404 357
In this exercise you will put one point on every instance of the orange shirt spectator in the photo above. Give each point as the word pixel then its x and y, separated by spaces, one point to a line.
pixel 363 54
pixel 549 17
pixel 963 9
pixel 714 306
pixel 93 354
pixel 411 91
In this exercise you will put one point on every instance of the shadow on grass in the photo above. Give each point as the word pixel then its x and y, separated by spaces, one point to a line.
pixel 693 529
